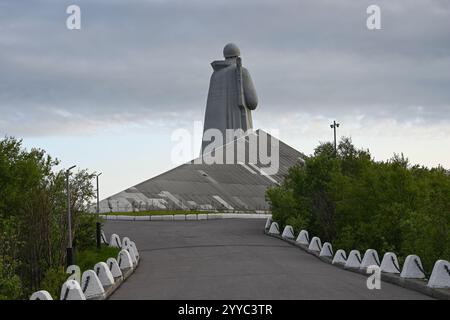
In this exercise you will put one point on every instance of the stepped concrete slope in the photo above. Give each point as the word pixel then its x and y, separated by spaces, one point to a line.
pixel 237 186
pixel 233 259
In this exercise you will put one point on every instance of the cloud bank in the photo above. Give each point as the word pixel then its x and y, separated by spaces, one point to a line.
pixel 140 62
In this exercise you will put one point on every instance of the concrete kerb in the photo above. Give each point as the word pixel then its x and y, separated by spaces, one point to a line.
pixel 142 218
pixel 118 282
pixel 412 284
pixel 187 217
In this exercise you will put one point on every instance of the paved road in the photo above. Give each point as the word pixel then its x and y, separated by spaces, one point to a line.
pixel 233 259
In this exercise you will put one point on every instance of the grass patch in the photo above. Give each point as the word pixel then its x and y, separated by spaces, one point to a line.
pixel 88 258
pixel 85 259
pixel 154 213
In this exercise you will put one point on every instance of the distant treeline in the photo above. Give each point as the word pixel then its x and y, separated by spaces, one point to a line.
pixel 33 219
pixel 354 202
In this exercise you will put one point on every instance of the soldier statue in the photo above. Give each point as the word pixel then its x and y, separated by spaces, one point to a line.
pixel 231 97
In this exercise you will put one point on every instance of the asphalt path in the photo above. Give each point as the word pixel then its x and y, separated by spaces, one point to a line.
pixel 233 259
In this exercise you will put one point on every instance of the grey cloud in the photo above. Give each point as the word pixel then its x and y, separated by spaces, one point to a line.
pixel 138 61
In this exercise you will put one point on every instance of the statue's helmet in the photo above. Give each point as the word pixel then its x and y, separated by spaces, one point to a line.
pixel 231 50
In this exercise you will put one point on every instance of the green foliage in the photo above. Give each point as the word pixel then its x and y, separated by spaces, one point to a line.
pixel 53 280
pixel 87 258
pixel 33 219
pixel 10 284
pixel 358 203
pixel 85 237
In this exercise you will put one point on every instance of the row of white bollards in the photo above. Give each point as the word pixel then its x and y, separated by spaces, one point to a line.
pixel 94 284
pixel 412 267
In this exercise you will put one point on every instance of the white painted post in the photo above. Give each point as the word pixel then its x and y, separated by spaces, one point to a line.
pixel 354 260
pixel 390 263
pixel 315 245
pixel 370 259
pixel 104 274
pixel 340 257
pixel 41 295
pixel 288 232
pixel 71 290
pixel 303 238
pixel 91 285
pixel 274 228
pixel 440 276
pixel 412 268
pixel 327 250
pixel 115 241
pixel 113 266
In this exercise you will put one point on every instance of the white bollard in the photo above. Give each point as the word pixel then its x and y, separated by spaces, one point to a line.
pixel 440 276
pixel 124 259
pixel 390 263
pixel 354 260
pixel 71 290
pixel 103 238
pixel 303 238
pixel 327 250
pixel 315 245
pixel 370 259
pixel 104 274
pixel 113 266
pixel 274 228
pixel 412 268
pixel 288 232
pixel 132 255
pixel 125 243
pixel 91 285
pixel 133 245
pixel 268 223
pixel 115 241
pixel 340 257
pixel 41 295
pixel 74 273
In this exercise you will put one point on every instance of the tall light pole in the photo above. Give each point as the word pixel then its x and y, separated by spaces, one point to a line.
pixel 98 226
pixel 334 125
pixel 98 198
pixel 69 219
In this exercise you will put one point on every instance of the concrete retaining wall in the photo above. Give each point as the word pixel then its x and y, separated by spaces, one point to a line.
pixel 188 217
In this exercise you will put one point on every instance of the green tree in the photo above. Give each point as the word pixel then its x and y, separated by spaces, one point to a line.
pixel 33 220
pixel 358 203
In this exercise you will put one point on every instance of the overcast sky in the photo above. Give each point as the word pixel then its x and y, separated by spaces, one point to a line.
pixel 108 96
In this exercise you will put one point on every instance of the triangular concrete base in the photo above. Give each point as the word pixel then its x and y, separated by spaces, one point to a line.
pixel 240 186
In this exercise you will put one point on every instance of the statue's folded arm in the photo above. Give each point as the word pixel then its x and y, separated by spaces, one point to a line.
pixel 250 96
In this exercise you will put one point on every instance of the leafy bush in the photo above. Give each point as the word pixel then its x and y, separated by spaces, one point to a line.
pixel 33 220
pixel 86 231
pixel 358 203
pixel 10 284
pixel 53 281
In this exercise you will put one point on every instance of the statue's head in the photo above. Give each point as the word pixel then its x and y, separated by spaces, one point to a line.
pixel 231 51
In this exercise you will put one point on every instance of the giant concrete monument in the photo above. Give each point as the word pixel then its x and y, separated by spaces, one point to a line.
pixel 232 95
pixel 236 186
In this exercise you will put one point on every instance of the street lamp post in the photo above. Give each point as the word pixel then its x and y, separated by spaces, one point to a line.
pixel 98 226
pixel 334 126
pixel 98 199
pixel 69 219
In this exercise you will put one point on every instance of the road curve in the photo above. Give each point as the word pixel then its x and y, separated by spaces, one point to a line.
pixel 233 259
